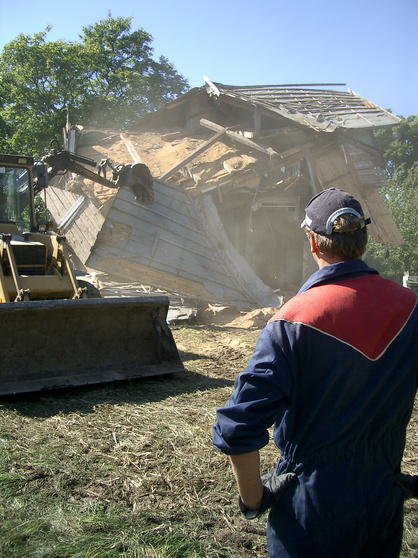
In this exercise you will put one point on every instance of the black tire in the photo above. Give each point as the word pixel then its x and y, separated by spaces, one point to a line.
pixel 92 291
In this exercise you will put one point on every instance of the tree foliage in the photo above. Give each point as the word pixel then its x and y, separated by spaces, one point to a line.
pixel 399 146
pixel 108 80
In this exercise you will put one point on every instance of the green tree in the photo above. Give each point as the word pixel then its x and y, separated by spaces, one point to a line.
pixel 108 79
pixel 399 146
pixel 125 83
pixel 39 79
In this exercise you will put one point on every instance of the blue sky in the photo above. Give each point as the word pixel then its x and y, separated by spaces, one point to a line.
pixel 369 45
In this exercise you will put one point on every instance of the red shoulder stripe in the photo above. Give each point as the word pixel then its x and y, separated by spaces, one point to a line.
pixel 365 312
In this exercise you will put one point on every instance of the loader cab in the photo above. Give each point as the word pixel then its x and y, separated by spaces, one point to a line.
pixel 17 213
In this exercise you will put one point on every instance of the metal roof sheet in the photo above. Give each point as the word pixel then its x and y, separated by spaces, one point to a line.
pixel 321 109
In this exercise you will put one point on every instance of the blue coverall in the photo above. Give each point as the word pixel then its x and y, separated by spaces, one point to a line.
pixel 336 372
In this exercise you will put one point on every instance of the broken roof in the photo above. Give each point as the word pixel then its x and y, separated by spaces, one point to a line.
pixel 313 106
pixel 269 151
pixel 321 109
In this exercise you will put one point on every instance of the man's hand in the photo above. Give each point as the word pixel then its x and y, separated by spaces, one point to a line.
pixel 277 484
pixel 409 485
pixel 273 488
pixel 257 494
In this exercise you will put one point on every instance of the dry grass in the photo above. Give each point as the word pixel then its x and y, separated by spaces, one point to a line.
pixel 128 469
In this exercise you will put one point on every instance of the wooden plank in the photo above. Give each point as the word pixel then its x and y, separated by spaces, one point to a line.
pixel 335 168
pixel 373 202
pixel 130 147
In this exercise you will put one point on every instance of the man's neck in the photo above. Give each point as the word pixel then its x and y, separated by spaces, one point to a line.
pixel 322 260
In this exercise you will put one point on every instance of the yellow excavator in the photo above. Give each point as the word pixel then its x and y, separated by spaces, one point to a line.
pixel 56 330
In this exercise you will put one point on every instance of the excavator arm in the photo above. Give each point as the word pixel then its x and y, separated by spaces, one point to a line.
pixel 137 176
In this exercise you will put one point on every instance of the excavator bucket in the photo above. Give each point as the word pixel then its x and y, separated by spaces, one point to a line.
pixel 138 178
pixel 61 343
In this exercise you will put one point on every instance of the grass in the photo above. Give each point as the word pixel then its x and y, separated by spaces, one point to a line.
pixel 117 470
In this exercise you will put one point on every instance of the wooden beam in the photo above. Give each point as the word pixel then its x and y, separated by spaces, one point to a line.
pixel 273 133
pixel 130 147
pixel 238 138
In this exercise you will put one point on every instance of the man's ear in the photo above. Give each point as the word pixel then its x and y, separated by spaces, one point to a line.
pixel 314 247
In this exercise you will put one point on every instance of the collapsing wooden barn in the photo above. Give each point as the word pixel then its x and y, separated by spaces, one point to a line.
pixel 244 161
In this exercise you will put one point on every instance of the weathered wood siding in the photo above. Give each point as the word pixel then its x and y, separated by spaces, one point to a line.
pixel 167 245
pixel 83 227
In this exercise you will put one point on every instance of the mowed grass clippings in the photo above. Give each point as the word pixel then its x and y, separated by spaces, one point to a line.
pixel 129 470
pixel 124 469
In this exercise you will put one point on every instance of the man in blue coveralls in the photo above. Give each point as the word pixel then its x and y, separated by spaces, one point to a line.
pixel 335 371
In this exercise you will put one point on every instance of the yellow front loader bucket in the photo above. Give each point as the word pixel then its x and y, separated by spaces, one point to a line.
pixel 62 343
